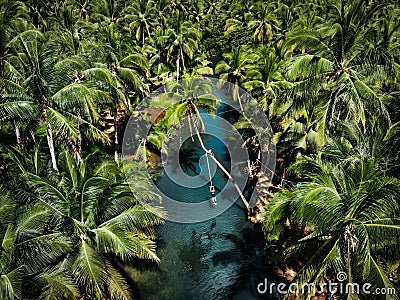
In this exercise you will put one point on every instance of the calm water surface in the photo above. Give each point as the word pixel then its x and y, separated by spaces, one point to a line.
pixel 221 258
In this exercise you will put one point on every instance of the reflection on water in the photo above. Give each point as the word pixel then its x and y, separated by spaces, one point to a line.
pixel 221 258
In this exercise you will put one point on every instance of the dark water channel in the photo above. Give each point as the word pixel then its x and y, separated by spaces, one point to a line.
pixel 221 258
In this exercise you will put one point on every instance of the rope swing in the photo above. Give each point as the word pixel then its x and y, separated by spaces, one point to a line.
pixel 219 165
pixel 212 187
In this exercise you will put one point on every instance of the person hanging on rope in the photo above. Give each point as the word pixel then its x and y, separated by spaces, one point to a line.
pixel 212 190
pixel 213 198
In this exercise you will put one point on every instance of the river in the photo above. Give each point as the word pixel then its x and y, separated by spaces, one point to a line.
pixel 221 258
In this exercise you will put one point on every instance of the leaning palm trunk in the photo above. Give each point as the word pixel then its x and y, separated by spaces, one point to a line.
pixel 50 142
pixel 208 152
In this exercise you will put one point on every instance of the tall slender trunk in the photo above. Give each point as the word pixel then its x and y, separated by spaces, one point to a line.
pixel 17 133
pixel 50 142
pixel 183 60
pixel 177 66
pixel 116 136
pixel 33 136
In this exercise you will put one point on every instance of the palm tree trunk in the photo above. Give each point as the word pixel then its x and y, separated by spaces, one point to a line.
pixel 177 66
pixel 208 152
pixel 147 30
pixel 183 60
pixel 33 136
pixel 116 137
pixel 50 142
pixel 17 134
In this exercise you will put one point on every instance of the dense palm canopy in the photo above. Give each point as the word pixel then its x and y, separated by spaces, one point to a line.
pixel 352 204
pixel 75 227
pixel 71 73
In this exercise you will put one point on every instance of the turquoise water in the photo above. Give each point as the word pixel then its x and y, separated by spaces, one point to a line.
pixel 221 258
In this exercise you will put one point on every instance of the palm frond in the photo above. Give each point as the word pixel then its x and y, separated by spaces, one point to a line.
pixel 89 269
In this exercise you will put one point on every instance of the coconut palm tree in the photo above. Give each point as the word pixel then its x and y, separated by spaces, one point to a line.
pixel 296 137
pixel 157 57
pixel 141 15
pixel 85 220
pixel 12 22
pixel 182 41
pixel 28 246
pixel 238 67
pixel 69 33
pixel 54 92
pixel 332 71
pixel 121 79
pixel 181 98
pixel 10 271
pixel 109 11
pixel 263 23
pixel 350 201
pixel 271 83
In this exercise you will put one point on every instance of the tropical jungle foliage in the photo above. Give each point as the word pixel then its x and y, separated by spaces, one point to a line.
pixel 72 71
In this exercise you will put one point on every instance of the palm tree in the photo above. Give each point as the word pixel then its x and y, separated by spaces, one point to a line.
pixel 182 41
pixel 238 67
pixel 271 84
pixel 179 95
pixel 264 23
pixel 121 79
pixel 196 11
pixel 28 246
pixel 10 270
pixel 350 201
pixel 54 93
pixel 157 57
pixel 70 33
pixel 110 11
pixel 86 221
pixel 141 15
pixel 304 20
pixel 296 137
pixel 175 6
pixel 11 23
pixel 331 73
pixel 212 9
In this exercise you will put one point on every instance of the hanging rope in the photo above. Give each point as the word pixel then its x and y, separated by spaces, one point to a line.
pixel 209 153
pixel 209 171
pixel 190 121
